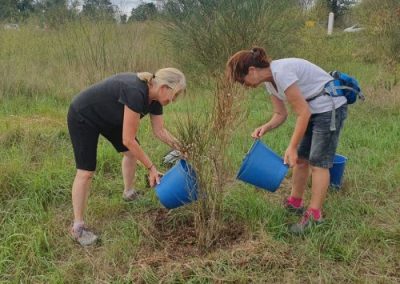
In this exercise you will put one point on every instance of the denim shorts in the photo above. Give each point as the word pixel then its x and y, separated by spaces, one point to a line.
pixel 319 143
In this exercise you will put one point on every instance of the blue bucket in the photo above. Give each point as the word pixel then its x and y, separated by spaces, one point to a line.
pixel 262 168
pixel 337 171
pixel 178 186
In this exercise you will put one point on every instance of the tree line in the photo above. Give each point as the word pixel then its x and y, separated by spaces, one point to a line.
pixel 60 10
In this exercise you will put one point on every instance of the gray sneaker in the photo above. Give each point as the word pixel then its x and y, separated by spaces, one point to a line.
pixel 83 236
pixel 130 195
pixel 305 224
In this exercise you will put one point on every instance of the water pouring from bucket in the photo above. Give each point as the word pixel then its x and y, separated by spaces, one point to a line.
pixel 262 167
pixel 178 186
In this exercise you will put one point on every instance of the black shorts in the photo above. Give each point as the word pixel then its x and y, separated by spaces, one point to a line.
pixel 84 138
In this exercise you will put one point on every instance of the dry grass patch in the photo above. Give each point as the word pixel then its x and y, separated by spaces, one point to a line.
pixel 170 237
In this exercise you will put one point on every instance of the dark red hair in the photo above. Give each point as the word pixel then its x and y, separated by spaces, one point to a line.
pixel 238 65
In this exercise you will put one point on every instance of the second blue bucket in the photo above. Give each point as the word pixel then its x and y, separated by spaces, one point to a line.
pixel 178 186
pixel 262 168
pixel 337 171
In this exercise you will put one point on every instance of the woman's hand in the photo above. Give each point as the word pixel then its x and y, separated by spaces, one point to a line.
pixel 154 176
pixel 290 156
pixel 258 132
pixel 276 120
pixel 302 111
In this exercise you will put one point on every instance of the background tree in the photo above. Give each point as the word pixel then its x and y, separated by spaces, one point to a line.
pixel 124 18
pixel 25 7
pixel 56 12
pixel 8 9
pixel 98 8
pixel 340 7
pixel 143 12
pixel 16 9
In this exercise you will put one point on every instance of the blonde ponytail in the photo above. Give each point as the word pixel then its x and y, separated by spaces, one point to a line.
pixel 171 77
pixel 145 76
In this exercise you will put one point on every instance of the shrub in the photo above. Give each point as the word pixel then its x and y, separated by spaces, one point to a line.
pixel 205 139
pixel 206 33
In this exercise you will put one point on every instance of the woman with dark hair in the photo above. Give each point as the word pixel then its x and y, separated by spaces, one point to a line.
pixel 319 119
pixel 113 108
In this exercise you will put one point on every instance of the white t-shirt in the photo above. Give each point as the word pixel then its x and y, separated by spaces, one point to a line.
pixel 310 79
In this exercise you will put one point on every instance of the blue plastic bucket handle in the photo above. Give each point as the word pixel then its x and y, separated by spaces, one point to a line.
pixel 262 168
pixel 178 186
pixel 337 171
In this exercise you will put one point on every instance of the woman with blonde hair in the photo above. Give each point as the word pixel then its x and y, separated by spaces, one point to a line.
pixel 319 119
pixel 113 108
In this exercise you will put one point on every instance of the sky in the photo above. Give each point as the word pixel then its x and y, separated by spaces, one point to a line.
pixel 126 5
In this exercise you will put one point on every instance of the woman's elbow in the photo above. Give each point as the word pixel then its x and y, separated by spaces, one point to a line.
pixel 308 113
pixel 283 116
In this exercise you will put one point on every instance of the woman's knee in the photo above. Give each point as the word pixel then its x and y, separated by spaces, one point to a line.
pixel 83 174
pixel 128 155
pixel 318 170
pixel 302 163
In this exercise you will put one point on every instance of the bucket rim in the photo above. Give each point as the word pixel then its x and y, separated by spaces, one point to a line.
pixel 187 168
pixel 171 199
pixel 341 159
pixel 244 164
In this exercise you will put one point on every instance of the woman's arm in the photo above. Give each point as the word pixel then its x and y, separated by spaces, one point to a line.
pixel 300 107
pixel 279 117
pixel 157 123
pixel 130 127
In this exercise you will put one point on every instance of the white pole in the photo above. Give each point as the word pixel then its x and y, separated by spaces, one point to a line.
pixel 330 23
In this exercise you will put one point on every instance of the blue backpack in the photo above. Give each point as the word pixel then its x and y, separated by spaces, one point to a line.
pixel 341 85
pixel 344 85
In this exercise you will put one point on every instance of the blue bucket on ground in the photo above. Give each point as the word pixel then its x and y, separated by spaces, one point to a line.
pixel 337 171
pixel 178 186
pixel 262 168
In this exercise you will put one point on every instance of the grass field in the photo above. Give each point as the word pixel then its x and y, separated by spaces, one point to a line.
pixel 143 243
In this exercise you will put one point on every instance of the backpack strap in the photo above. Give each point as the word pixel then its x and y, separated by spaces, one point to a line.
pixel 329 88
pixel 324 91
pixel 332 127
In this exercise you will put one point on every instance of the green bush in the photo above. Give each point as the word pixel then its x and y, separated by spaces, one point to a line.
pixel 205 33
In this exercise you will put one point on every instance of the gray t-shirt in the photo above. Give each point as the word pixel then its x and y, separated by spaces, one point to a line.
pixel 102 104
pixel 310 79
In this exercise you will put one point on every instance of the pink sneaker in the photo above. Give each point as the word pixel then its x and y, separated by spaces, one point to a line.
pixel 291 208
pixel 305 223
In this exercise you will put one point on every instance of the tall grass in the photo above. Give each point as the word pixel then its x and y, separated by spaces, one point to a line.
pixel 382 22
pixel 62 62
